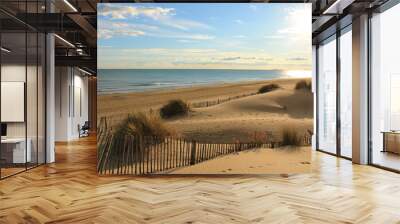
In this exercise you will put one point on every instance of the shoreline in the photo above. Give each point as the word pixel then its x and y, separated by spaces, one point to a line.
pixel 205 85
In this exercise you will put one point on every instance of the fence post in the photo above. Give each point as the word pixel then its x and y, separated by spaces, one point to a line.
pixel 193 153
pixel 105 123
pixel 141 152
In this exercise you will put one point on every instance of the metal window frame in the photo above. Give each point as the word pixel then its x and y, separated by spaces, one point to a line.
pixel 386 6
pixel 339 32
pixel 381 9
pixel 44 74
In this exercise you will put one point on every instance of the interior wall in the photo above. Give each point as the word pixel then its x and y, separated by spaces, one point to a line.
pixel 33 126
pixel 16 73
pixel 71 102
pixel 92 110
pixel 62 81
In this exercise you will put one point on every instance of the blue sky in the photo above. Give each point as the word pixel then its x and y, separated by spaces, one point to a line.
pixel 204 36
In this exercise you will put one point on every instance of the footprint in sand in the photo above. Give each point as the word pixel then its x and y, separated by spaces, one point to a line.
pixel 305 163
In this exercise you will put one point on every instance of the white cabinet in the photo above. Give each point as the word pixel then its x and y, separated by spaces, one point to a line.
pixel 17 148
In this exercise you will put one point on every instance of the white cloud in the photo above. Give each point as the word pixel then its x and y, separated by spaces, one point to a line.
pixel 186 41
pixel 165 16
pixel 184 24
pixel 196 37
pixel 298 20
pixel 123 12
pixel 109 29
pixel 239 36
pixel 198 58
pixel 298 25
pixel 238 21
pixel 253 7
pixel 297 59
pixel 274 37
pixel 107 34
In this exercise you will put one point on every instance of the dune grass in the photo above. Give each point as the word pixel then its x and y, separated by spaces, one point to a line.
pixel 142 124
pixel 303 84
pixel 174 108
pixel 290 137
pixel 268 88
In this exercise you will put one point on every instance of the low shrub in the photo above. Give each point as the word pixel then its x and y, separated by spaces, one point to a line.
pixel 303 84
pixel 174 108
pixel 268 88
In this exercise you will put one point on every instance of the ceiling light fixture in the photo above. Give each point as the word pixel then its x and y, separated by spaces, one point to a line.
pixel 65 41
pixel 5 50
pixel 337 7
pixel 70 5
pixel 84 71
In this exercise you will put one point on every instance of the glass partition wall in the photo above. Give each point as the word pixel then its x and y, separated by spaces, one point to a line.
pixel 327 95
pixel 345 92
pixel 22 107
pixel 334 104
pixel 385 89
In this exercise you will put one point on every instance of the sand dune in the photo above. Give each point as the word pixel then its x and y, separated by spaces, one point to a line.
pixel 116 106
pixel 239 119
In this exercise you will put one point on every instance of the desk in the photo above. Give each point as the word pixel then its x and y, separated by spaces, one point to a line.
pixel 13 150
pixel 391 141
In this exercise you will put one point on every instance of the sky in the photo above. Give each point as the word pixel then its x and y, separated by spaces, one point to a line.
pixel 258 36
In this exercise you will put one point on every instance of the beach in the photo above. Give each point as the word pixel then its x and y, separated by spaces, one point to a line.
pixel 243 118
pixel 284 160
pixel 272 111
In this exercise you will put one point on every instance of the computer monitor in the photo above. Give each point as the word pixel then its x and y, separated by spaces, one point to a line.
pixel 3 130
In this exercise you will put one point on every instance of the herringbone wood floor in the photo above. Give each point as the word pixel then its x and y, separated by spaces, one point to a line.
pixel 69 191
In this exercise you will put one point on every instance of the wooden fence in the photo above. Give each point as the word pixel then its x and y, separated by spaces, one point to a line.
pixel 149 154
pixel 210 103
pixel 140 155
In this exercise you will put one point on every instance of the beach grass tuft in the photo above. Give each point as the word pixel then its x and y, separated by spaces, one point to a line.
pixel 303 84
pixel 142 124
pixel 174 108
pixel 290 137
pixel 268 88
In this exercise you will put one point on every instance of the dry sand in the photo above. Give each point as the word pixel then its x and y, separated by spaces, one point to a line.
pixel 258 161
pixel 238 119
pixel 266 112
pixel 241 119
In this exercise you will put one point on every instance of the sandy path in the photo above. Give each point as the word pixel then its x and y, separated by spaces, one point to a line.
pixel 257 161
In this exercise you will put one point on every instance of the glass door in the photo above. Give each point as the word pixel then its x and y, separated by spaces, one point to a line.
pixel 346 92
pixel 327 96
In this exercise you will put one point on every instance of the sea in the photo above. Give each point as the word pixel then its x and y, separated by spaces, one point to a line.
pixel 139 80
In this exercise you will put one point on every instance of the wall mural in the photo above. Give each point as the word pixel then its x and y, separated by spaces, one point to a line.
pixel 204 88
